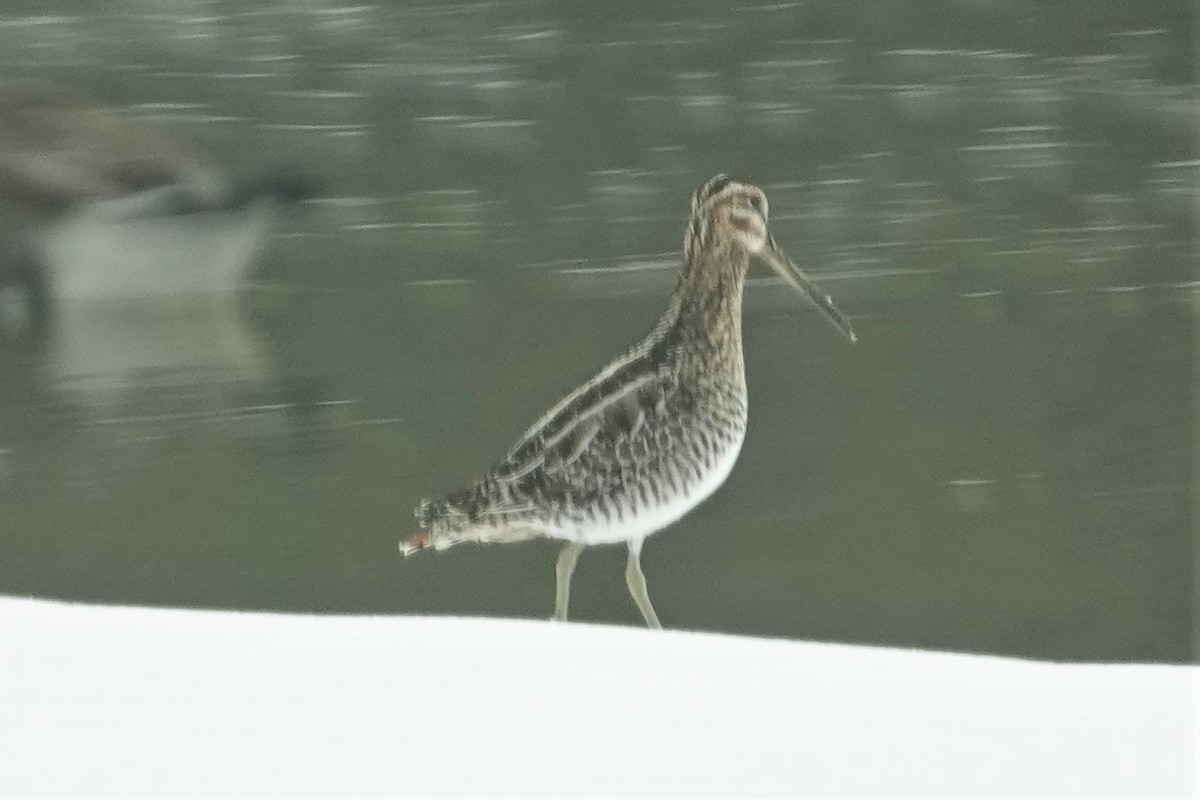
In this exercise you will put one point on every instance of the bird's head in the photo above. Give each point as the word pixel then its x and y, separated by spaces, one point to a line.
pixel 725 209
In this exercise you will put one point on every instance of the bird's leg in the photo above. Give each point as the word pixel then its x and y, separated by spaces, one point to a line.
pixel 637 585
pixel 563 570
pixel 23 270
pixel 40 302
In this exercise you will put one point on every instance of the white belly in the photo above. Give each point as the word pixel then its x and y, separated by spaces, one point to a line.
pixel 99 253
pixel 636 526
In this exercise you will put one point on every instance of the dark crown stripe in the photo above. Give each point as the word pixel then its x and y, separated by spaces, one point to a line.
pixel 709 188
pixel 697 229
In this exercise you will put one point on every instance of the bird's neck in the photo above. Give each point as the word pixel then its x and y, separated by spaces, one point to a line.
pixel 706 307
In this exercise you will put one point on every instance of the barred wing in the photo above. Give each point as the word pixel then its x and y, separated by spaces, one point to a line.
pixel 563 433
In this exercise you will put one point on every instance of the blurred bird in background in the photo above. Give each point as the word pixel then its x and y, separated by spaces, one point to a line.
pixel 95 204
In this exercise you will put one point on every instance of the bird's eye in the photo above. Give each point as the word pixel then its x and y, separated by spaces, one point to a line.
pixel 756 203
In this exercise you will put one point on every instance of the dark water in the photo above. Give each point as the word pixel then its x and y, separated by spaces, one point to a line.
pixel 1000 194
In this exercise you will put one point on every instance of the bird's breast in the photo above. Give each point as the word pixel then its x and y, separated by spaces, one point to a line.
pixel 654 499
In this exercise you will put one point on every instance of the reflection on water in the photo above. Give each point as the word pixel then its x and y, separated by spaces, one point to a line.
pixel 106 348
pixel 1001 197
pixel 121 379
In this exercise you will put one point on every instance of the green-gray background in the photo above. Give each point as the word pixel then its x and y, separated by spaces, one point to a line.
pixel 1000 193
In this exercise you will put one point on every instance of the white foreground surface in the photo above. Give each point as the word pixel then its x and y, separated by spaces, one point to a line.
pixel 123 701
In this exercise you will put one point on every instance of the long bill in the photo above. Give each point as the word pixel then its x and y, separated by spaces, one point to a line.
pixel 777 259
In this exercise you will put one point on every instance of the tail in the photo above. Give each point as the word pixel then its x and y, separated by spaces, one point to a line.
pixel 284 185
pixel 437 520
pixel 466 518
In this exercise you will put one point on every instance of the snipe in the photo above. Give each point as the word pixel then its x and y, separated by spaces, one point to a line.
pixel 653 433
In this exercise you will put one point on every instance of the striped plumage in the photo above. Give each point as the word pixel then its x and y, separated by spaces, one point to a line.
pixel 653 433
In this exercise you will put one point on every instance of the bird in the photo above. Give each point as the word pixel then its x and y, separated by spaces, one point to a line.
pixel 653 433
pixel 94 203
